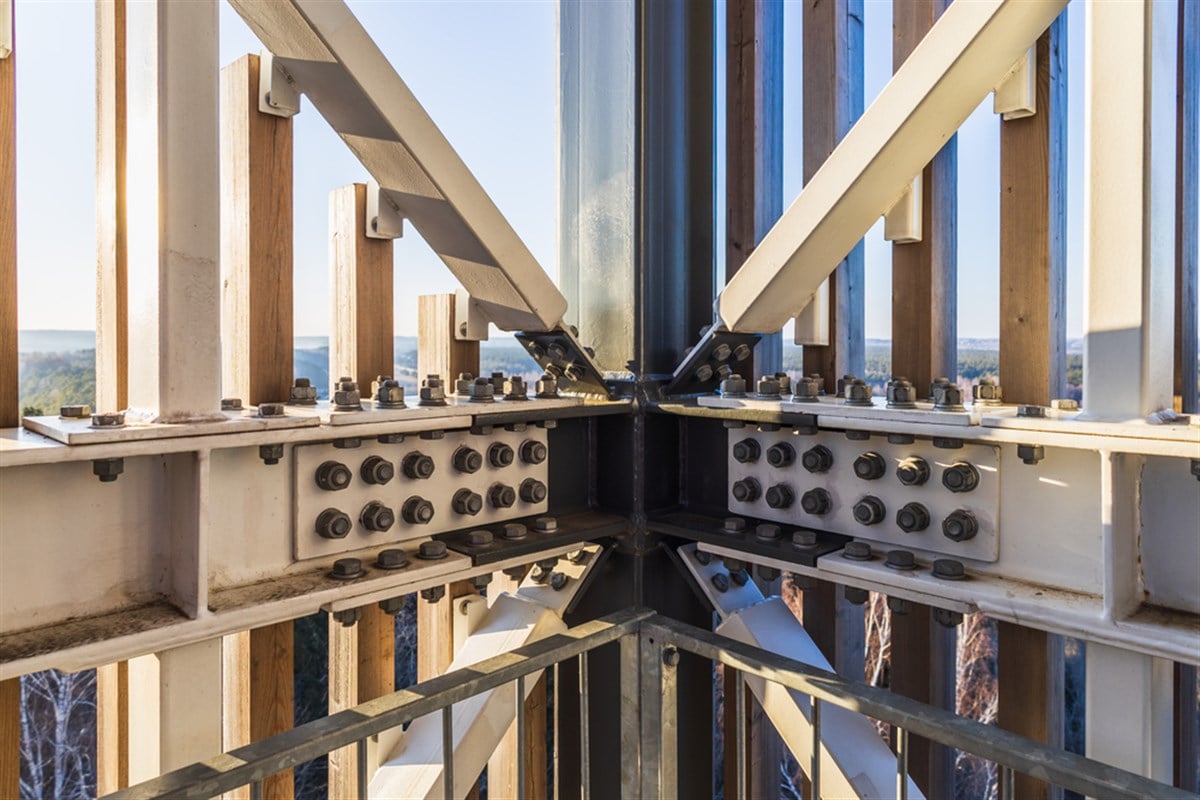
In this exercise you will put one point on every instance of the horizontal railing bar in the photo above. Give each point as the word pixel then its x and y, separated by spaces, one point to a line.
pixel 314 739
pixel 1058 767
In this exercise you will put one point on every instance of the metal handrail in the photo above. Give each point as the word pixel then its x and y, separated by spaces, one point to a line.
pixel 648 728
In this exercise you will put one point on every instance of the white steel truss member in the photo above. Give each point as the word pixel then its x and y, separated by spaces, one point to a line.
pixel 855 762
pixel 332 60
pixel 967 53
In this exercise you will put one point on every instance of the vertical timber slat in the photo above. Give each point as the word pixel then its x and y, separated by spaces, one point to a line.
pixel 923 668
pixel 272 691
pixel 10 410
pixel 343 694
pixel 362 286
pixel 1033 167
pixel 10 735
pixel 112 289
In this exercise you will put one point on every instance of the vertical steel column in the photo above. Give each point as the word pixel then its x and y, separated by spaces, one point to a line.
pixel 630 712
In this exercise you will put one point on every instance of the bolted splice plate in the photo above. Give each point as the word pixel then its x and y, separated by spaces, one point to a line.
pixel 560 353
pixel 701 371
pixel 711 530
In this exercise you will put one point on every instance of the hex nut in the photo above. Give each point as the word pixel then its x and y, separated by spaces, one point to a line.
pixel 547 387
pixel 497 381
pixel 902 560
pixel 722 351
pixel 417 511
pixel 870 510
pixel 912 518
pixel 1031 453
pixel 739 576
pixel 333 524
pixel 947 443
pixel 767 388
pixel 1064 404
pixel 949 569
pixel 856 392
pixel 960 476
pixel 558 581
pixel 898 605
pixel 807 389
pixel 346 396
pixel 901 393
pixel 500 455
pixel 816 502
pixel 767 532
pixel 532 491
pixel 857 551
pixel 481 390
pixel 390 395
pixel 515 530
pixel 870 466
pixel 376 471
pixel 227 404
pixel 433 594
pixel 858 436
pixel 720 582
pixel 804 539
pixel 75 411
pixel 1031 411
pixel 302 393
pixel 785 382
pixel 855 595
pixel 107 469
pixel 734 525
pixel 817 459
pixel 913 471
pixel 747 490
pixel 345 569
pixel 392 558
pixel 347 442
pixel 432 550
pixel 333 476
pixel 781 455
pixel 417 466
pixel 467 502
pixel 733 386
pixel 703 557
pixel 270 453
pixel 432 391
pixel 467 460
pixel 545 524
pixel 112 419
pixel 900 438
pixel 515 389
pixel 502 496
pixel 462 384
pixel 377 517
pixel 987 392
pixel 767 574
pixel 947 618
pixel 480 538
pixel 780 496
pixel 746 451
pixel 960 526
pixel 533 452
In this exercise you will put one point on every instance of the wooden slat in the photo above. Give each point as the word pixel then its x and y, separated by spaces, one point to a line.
pixel 1029 667
pixel 435 631
pixel 10 409
pixel 376 653
pixel 235 698
pixel 833 100
pixel 112 295
pixel 256 241
pixel 272 690
pixel 10 735
pixel 924 274
pixel 343 694
pixel 1187 194
pixel 112 727
pixel 923 668
pixel 362 287
pixel 438 352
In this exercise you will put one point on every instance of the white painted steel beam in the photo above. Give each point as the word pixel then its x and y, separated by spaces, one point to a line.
pixel 1129 216
pixel 332 60
pixel 964 56
pixel 173 207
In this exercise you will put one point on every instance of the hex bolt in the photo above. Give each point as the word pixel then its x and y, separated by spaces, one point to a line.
pixel 433 594
pixel 816 502
pixel 516 389
pixel 804 540
pixel 734 525
pixel 913 471
pixel 960 526
pixel 467 502
pixel 960 477
pixel 500 455
pixel 480 581
pixel 497 381
pixel 721 352
pixel 767 532
pixel 746 451
pixel 870 466
pixel 541 574
pixel 785 382
pixel 858 436
pixel 855 595
pixel 392 558
pixel 107 469
pixel 333 524
pixel 902 560
pixel 817 459
pixel 302 393
pixel 746 490
pixel 803 582
pixel 432 391
pixel 898 605
pixel 231 404
pixel 857 551
pixel 1064 404
pixel 703 557
pixel 781 455
pixel 670 656
pixel 392 606
pixel 417 511
pixel 844 381
pixel 390 394
pixel 987 392
pixel 913 517
pixel 377 517
pixel 346 396
pixel 901 393
pixel 333 476
pixel 376 470
pixel 545 524
pixel 780 496
pixel 462 384
pixel 807 389
pixel 869 510
pixel 767 388
pixel 390 438
pixel 1030 453
pixel 482 391
pixel 417 466
pixel 739 576
pixel 733 386
pixel 767 574
pixel 467 460
pixel 480 538
pixel 514 531
pixel 432 550
pixel 347 442
pixel 732 564
pixel 741 352
pixel 558 581
pixel 75 411
pixel 532 490
pixel 949 569
pixel 720 582
pixel 947 443
pixel 857 392
pixel 947 618
pixel 112 419
pixel 502 496
pixel 270 453
pixel 901 438
pixel 345 569
pixel 946 395
pixel 533 452
pixel 547 387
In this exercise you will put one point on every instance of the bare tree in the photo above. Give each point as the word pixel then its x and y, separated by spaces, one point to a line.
pixel 58 735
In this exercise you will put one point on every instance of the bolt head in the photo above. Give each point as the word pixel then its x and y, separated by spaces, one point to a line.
pixel 547 387
pixel 347 400
pixel 946 396
pixel 741 352
pixel 270 453
pixel 302 393
pixel 900 559
pixel 500 455
pixel 1031 453
pixel 767 532
pixel 1064 404
pixel 949 569
pixel 733 386
pixel 898 605
pixel 804 539
pixel 231 404
pixel 722 352
pixel 533 451
pixel 545 524
pixel 112 419
pixel 466 501
pixel 558 581
pixel 390 395
pixel 333 524
pixel 857 551
pixel 960 526
pixel 107 469
pixel 515 530
pixel 479 538
pixel 345 569
pixel 431 550
pixel 816 502
pixel 75 411
pixel 807 389
pixel 912 518
pixel 481 391
pixel 671 656
pixel 532 491
pixel 502 496
pixel 780 496
pixel 515 389
pixel 703 373
pixel 392 558
pixel 417 511
pixel 768 387
pixel 720 582
pixel 734 525
pixel 855 595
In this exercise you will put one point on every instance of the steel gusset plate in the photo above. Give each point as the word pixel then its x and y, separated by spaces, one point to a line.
pixel 571 529
pixel 560 353
pixel 702 528
pixel 712 359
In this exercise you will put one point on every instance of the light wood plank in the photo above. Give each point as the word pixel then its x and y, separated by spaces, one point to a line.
pixel 362 288
pixel 923 668
pixel 112 282
pixel 272 691
pixel 438 352
pixel 10 735
pixel 10 409
pixel 112 727
pixel 343 694
pixel 1029 672
pixel 235 696
pixel 376 653
pixel 256 241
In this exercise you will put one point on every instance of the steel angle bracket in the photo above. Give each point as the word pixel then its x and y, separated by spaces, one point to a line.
pixel 712 359
pixel 561 354
pixel 710 530
pixel 571 529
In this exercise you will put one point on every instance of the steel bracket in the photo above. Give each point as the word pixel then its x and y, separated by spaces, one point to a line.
pixel 1016 96
pixel 904 223
pixel 470 323
pixel 277 92
pixel 560 353
pixel 711 360
pixel 384 220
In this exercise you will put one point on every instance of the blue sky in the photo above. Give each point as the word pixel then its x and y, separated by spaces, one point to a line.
pixel 486 73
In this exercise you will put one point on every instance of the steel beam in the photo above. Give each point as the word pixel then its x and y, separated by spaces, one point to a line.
pixel 970 49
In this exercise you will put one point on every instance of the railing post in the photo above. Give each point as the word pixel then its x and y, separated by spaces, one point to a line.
pixel 630 711
pixel 650 683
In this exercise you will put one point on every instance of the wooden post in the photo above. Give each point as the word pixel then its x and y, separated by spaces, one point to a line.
pixel 362 288
pixel 10 408
pixel 112 290
pixel 272 693
pixel 10 735
pixel 438 352
pixel 923 668
pixel 833 100
pixel 112 727
pixel 1033 171
pixel 924 273
pixel 343 694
